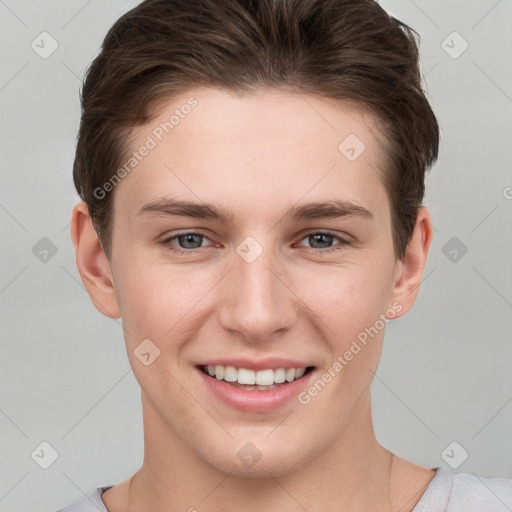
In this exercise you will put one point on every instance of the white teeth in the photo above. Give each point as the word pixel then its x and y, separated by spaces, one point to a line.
pixel 279 375
pixel 265 377
pixel 290 374
pixel 258 378
pixel 230 374
pixel 299 372
pixel 219 372
pixel 246 376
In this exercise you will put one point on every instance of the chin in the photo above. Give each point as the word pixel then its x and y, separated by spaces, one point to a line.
pixel 269 467
pixel 256 463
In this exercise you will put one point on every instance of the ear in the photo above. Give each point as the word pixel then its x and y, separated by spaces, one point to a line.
pixel 409 270
pixel 92 263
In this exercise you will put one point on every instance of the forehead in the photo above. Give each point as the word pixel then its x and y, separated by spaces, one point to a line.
pixel 264 147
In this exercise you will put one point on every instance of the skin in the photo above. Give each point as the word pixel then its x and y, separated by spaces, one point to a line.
pixel 256 156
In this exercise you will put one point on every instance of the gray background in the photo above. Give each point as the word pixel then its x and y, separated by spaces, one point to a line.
pixel 65 379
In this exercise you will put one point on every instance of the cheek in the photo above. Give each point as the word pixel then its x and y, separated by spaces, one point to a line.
pixel 154 301
pixel 156 305
pixel 346 299
pixel 346 309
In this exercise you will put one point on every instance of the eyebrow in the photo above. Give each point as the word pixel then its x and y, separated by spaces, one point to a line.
pixel 335 208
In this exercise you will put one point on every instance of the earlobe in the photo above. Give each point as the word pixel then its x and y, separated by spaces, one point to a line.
pixel 92 263
pixel 410 269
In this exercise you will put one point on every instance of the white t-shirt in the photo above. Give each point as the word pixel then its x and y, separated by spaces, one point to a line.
pixel 447 492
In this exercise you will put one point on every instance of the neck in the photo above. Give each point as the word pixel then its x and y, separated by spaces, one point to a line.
pixel 352 473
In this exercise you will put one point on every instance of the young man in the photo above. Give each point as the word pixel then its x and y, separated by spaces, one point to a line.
pixel 252 176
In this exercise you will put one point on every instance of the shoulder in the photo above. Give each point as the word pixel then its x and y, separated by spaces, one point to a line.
pixel 462 492
pixel 91 503
pixel 475 493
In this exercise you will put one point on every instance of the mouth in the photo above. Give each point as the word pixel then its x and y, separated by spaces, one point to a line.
pixel 255 380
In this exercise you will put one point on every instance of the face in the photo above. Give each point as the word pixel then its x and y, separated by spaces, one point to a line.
pixel 254 235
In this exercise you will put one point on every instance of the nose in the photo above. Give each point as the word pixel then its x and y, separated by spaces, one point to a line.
pixel 259 305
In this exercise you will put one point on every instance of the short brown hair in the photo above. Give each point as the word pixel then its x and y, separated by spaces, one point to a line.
pixel 341 49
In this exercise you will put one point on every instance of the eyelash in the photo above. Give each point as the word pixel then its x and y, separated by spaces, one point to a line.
pixel 177 250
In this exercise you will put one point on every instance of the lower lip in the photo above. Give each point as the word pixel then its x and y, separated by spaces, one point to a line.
pixel 257 400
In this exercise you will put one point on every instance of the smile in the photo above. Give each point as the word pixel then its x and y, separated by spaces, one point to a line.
pixel 264 387
pixel 256 380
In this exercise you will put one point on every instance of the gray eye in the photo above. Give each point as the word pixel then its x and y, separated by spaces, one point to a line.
pixel 190 241
pixel 323 239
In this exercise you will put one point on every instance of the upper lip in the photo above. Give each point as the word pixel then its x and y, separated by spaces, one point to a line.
pixel 254 364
